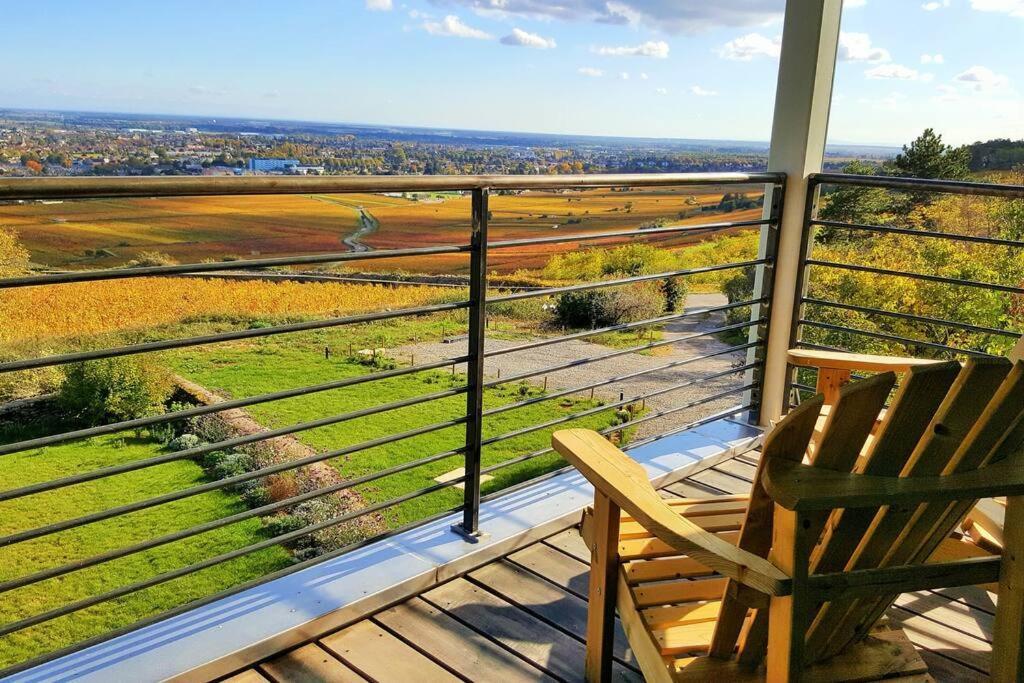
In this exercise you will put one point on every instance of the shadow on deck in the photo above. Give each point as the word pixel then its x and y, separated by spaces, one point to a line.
pixel 523 617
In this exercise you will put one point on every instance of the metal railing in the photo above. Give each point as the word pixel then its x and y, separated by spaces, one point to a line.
pixel 474 360
pixel 900 326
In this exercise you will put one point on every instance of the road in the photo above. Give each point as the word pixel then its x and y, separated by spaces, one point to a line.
pixel 659 378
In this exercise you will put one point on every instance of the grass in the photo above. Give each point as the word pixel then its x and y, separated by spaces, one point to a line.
pixel 76 544
pixel 241 371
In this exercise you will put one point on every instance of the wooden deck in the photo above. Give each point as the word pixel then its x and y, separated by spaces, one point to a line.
pixel 522 618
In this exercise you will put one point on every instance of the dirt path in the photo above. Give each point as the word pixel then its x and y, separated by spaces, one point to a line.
pixel 565 352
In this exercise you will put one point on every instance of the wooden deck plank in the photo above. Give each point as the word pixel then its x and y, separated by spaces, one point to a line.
pixel 547 601
pixel 523 621
pixel 560 569
pixel 442 638
pixel 309 664
pixel 554 651
pixel 379 655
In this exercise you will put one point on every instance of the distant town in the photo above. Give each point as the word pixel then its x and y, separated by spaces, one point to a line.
pixel 82 143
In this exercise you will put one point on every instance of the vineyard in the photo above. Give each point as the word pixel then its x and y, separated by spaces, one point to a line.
pixel 41 315
pixel 111 232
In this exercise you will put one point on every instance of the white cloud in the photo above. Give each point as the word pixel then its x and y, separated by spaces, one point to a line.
pixel 932 59
pixel 981 78
pixel 521 38
pixel 702 92
pixel 643 76
pixel 657 49
pixel 893 71
pixel 379 5
pixel 453 27
pixel 590 71
pixel 934 5
pixel 671 16
pixel 857 47
pixel 624 75
pixel 751 46
pixel 661 91
pixel 1015 8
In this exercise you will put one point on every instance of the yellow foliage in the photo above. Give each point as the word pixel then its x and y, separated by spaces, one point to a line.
pixel 39 314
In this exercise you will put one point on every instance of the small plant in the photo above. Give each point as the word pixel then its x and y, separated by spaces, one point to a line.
pixel 184 442
pixel 114 389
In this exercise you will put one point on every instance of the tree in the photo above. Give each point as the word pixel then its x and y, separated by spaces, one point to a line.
pixel 928 157
pixel 13 256
pixel 864 205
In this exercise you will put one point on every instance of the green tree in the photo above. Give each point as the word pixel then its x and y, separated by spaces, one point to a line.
pixel 928 157
pixel 122 388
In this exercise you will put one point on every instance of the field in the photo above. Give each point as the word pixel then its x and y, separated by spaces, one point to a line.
pixel 44 316
pixel 106 233
pixel 238 371
pixel 76 544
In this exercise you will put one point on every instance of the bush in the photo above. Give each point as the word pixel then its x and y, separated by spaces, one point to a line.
pixel 184 442
pixel 231 465
pixel 283 524
pixel 600 308
pixel 114 389
pixel 145 259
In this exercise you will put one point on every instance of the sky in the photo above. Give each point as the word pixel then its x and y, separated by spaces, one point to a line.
pixel 647 68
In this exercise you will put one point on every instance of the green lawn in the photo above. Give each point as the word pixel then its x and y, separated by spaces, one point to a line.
pixel 75 544
pixel 271 365
pixel 241 369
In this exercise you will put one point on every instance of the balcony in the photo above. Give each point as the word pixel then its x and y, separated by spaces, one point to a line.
pixel 491 571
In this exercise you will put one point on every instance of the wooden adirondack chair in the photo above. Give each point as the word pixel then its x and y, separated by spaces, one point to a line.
pixel 799 572
pixel 984 524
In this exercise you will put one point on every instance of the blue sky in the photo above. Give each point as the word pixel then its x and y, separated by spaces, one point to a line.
pixel 657 68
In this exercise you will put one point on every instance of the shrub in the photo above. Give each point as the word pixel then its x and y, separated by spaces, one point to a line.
pixel 279 525
pixel 114 389
pixel 231 465
pixel 184 442
pixel 146 259
pixel 600 308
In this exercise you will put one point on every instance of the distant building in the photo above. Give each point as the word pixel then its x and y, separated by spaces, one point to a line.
pixel 273 165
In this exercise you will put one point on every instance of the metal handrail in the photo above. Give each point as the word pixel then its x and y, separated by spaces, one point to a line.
pixel 480 188
pixel 809 309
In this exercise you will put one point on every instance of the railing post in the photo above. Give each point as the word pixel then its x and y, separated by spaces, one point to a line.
pixel 475 366
pixel 764 291
pixel 810 39
pixel 800 288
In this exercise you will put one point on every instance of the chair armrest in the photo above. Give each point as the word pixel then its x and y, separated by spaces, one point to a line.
pixel 800 487
pixel 625 482
pixel 839 360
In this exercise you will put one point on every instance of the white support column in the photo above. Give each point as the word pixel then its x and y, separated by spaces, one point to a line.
pixel 810 38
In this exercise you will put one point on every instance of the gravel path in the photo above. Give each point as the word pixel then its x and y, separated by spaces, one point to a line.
pixel 557 354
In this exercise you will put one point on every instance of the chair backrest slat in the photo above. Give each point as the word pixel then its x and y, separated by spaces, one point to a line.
pixel 919 396
pixel 839 623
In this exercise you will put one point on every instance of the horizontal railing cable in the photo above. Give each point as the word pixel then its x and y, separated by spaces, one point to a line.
pixel 67 277
pixel 967 327
pixel 930 234
pixel 218 559
pixel 614 354
pixel 29 534
pixel 235 335
pixel 920 184
pixel 625 281
pixel 620 327
pixel 183 534
pixel 668 230
pixel 916 276
pixel 141 422
pixel 906 341
pixel 616 404
pixel 619 378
